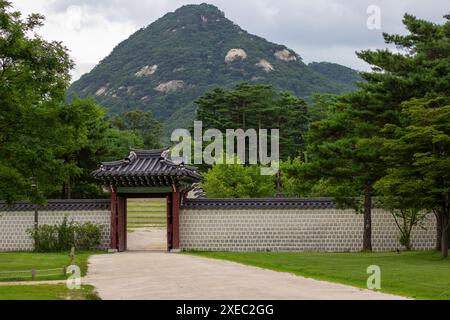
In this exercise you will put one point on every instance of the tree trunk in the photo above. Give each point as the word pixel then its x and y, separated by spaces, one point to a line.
pixel 448 233
pixel 438 232
pixel 445 227
pixel 67 189
pixel 367 237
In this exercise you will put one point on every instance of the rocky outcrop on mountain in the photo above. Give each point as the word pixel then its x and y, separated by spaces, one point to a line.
pixel 166 66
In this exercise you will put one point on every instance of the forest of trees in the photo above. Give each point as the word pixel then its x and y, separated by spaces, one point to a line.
pixel 389 141
pixel 49 147
pixel 257 107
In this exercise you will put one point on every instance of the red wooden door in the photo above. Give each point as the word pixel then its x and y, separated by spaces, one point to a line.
pixel 114 235
pixel 122 223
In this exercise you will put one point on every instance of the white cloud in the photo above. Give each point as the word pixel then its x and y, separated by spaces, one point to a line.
pixel 319 30
pixel 89 36
pixel 74 16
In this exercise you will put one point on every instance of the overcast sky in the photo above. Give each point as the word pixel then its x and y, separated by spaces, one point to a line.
pixel 318 30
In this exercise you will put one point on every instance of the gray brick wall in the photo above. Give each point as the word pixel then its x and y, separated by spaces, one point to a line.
pixel 318 230
pixel 14 224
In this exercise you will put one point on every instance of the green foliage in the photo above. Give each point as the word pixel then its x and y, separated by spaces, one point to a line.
pixel 292 178
pixel 48 147
pixel 420 149
pixel 346 143
pixel 33 77
pixel 256 107
pixel 417 145
pixel 344 149
pixel 419 155
pixel 320 106
pixel 142 124
pixel 237 181
pixel 186 47
pixel 89 140
pixel 62 237
pixel 406 219
pixel 87 236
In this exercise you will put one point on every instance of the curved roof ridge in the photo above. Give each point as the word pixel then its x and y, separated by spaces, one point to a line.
pixel 148 153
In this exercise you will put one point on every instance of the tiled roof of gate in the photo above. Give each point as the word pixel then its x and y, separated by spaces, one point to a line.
pixel 146 167
pixel 276 203
pixel 59 205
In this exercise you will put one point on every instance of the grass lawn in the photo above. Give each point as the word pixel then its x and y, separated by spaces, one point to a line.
pixel 47 292
pixel 420 275
pixel 145 213
pixel 17 266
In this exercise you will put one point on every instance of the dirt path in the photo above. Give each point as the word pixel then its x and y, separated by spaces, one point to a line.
pixel 151 239
pixel 157 275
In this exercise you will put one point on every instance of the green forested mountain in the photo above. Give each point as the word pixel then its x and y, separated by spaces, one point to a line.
pixel 166 66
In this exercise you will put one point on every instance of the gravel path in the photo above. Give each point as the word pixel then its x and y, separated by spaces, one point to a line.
pixel 147 239
pixel 158 275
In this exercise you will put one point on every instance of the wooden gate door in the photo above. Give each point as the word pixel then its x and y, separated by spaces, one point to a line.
pixel 122 223
pixel 119 219
pixel 118 222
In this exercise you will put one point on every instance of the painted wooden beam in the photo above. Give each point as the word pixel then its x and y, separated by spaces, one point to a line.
pixel 140 190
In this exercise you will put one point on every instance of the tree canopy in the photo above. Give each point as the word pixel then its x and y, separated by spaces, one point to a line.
pixel 140 123
pixel 34 75
pixel 418 152
pixel 257 107
pixel 345 144
pixel 237 181
pixel 48 147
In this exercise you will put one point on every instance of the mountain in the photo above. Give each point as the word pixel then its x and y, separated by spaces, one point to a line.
pixel 166 66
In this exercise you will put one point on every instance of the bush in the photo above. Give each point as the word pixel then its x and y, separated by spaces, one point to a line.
pixel 237 181
pixel 88 236
pixel 62 237
pixel 45 238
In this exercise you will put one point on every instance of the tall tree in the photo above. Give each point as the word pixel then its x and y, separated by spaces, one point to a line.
pixel 346 146
pixel 34 75
pixel 141 123
pixel 89 139
pixel 421 69
pixel 257 107
pixel 419 153
pixel 237 181
pixel 346 153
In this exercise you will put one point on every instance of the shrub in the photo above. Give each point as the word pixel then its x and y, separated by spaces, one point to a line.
pixel 45 237
pixel 64 236
pixel 88 236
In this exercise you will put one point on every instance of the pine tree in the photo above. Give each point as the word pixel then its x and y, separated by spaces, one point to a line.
pixel 346 146
pixel 418 151
pixel 257 107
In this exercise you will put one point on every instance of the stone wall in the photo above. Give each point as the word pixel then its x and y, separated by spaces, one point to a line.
pixel 288 225
pixel 16 220
pixel 233 225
